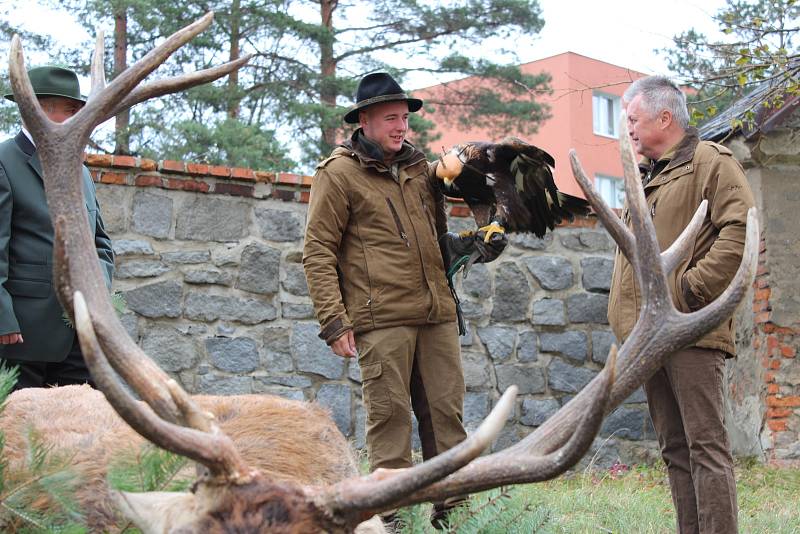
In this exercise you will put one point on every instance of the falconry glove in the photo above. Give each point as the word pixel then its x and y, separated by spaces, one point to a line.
pixel 466 248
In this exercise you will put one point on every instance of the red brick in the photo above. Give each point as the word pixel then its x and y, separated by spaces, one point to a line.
pixel 769 376
pixel 762 317
pixel 761 282
pixel 775 364
pixel 237 190
pixel 768 327
pixel 265 177
pixel 777 425
pixel 773 388
pixel 219 170
pixel 197 168
pixel 196 185
pixel 786 331
pixel 460 211
pixel 762 294
pixel 124 161
pixel 283 194
pixel 118 178
pixel 762 246
pixel 772 342
pixel 95 175
pixel 288 178
pixel 169 165
pixel 242 174
pixel 784 402
pixel 756 342
pixel 762 269
pixel 777 413
pixel 148 165
pixel 148 180
pixel 98 160
pixel 305 196
pixel 788 352
pixel 760 305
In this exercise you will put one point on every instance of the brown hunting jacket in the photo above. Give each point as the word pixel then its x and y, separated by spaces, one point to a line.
pixel 697 170
pixel 371 254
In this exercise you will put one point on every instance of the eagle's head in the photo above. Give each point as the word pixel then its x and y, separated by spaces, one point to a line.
pixel 450 165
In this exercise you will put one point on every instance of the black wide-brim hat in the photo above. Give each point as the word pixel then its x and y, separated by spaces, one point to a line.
pixel 53 81
pixel 376 88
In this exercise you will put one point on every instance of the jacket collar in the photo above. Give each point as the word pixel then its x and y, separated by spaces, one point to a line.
pixel 29 150
pixel 370 153
pixel 24 143
pixel 683 152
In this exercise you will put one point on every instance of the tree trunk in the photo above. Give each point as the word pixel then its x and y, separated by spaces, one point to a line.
pixel 121 133
pixel 328 91
pixel 233 77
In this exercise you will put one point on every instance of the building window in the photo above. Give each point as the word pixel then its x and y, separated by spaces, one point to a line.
pixel 611 189
pixel 605 114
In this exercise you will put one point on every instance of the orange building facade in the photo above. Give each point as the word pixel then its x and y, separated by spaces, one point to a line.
pixel 584 115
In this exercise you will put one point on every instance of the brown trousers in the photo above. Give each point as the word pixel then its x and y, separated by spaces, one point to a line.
pixel 404 367
pixel 685 398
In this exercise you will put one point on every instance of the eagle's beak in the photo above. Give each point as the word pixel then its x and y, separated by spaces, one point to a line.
pixel 449 167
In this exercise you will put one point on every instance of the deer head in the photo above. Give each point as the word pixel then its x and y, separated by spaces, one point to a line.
pixel 228 495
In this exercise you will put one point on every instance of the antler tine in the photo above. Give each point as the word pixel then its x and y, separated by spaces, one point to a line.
pixel 678 250
pixel 206 445
pixel 177 83
pixel 105 101
pixel 32 113
pixel 97 69
pixel 612 223
pixel 382 488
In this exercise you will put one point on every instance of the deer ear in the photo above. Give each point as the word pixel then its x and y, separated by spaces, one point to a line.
pixel 156 511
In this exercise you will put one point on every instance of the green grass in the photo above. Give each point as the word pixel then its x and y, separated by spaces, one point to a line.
pixel 633 501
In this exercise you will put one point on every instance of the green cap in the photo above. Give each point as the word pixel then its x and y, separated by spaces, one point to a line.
pixel 54 81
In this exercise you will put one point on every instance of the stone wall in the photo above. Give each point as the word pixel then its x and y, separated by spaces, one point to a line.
pixel 764 381
pixel 209 260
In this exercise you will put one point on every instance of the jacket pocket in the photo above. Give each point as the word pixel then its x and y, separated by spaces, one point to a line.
pixel 37 289
pixel 376 396
pixel 398 223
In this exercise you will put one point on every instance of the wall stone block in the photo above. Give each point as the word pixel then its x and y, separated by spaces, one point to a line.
pixel 210 276
pixel 234 355
pixel 336 397
pixel 512 294
pixel 260 269
pixel 277 351
pixel 205 307
pixel 499 341
pixel 571 344
pixel 280 225
pixel 172 350
pixel 530 241
pixel 139 269
pixel 162 299
pixel 224 385
pixel 186 256
pixel 527 350
pixel 568 378
pixel 293 310
pixel 132 247
pixel 537 411
pixel 596 274
pixel 549 312
pixel 552 272
pixel 530 380
pixel 205 218
pixel 152 214
pixel 294 280
pixel 312 355
pixel 587 240
pixel 587 308
pixel 479 282
pixel 601 345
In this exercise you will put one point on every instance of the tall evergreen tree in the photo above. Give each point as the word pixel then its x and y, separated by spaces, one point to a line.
pixel 760 46
pixel 308 58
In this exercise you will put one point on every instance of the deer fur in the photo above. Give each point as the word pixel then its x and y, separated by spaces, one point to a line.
pixel 289 441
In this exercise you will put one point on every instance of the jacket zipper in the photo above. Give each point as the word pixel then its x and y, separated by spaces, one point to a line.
pixel 397 222
pixel 428 215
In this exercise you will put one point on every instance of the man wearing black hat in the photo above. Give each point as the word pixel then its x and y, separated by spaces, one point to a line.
pixel 34 333
pixel 376 275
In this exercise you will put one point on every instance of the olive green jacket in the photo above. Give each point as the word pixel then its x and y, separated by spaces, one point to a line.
pixel 371 253
pixel 28 302
pixel 698 170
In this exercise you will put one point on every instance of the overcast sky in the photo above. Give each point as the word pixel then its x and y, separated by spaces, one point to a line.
pixel 622 32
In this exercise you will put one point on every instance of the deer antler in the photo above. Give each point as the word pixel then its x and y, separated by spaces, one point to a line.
pixel 659 331
pixel 76 269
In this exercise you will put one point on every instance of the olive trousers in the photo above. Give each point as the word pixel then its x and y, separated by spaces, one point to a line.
pixel 685 399
pixel 407 367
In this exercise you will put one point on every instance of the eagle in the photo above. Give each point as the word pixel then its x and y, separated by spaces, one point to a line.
pixel 508 186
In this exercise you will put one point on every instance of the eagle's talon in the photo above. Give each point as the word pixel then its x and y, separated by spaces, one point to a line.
pixel 491 229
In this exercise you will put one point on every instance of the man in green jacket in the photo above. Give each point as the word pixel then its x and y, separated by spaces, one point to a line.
pixel 685 397
pixel 34 333
pixel 376 275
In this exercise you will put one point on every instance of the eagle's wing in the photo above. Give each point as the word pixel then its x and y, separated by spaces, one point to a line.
pixel 474 188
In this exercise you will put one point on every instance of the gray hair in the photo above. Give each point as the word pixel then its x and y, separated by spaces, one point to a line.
pixel 660 93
